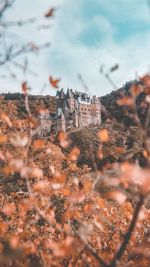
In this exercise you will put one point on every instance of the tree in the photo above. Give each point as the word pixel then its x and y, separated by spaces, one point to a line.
pixel 13 52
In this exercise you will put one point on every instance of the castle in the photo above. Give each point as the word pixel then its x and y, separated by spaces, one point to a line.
pixel 71 110
pixel 66 111
pixel 76 109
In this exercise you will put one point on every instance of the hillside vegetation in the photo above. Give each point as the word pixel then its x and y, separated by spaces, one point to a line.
pixel 55 210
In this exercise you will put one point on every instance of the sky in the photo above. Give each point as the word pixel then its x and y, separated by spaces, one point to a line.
pixel 84 35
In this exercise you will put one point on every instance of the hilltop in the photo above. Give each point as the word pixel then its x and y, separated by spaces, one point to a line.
pixel 125 142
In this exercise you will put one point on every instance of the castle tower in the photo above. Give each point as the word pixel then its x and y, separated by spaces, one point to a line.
pixel 61 121
pixel 95 111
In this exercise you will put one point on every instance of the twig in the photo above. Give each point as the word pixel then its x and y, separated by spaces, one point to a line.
pixel 18 23
pixel 23 50
pixel 7 4
pixel 110 81
pixel 89 248
pixel 94 253
pixel 23 68
pixel 86 88
pixel 107 76
pixel 127 236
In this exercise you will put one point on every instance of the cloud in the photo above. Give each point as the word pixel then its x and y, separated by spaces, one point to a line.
pixel 78 56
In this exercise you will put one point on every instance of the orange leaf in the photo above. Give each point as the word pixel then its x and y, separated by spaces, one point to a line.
pixel 5 118
pixel 146 154
pixel 38 143
pixel 125 101
pixel 65 192
pixel 145 80
pixel 35 172
pixel 100 152
pixel 25 88
pixel 87 186
pixel 74 154
pixel 53 82
pixel 34 47
pixel 39 186
pixel 29 248
pixel 87 208
pixel 119 150
pixel 62 137
pixel 3 139
pixel 118 196
pixel 76 197
pixel 101 202
pixel 3 228
pixel 8 170
pixel 147 90
pixel 136 89
pixel 50 12
pixel 61 250
pixel 9 208
pixel 71 213
pixel 14 241
pixel 103 135
pixel 60 179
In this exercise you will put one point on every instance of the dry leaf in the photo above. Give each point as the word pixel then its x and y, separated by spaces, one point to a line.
pixel 125 101
pixel 74 154
pixel 5 118
pixel 54 82
pixel 38 143
pixel 3 139
pixel 145 80
pixel 136 89
pixel 63 139
pixel 50 12
pixel 9 209
pixel 119 150
pixel 25 88
pixel 118 196
pixel 103 135
pixel 60 178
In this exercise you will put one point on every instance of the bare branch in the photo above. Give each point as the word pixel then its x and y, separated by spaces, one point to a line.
pixel 89 248
pixel 5 4
pixel 28 48
pixel 18 23
pixel 127 236
pixel 24 68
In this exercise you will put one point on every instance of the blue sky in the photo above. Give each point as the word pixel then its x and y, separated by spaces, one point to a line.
pixel 85 34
